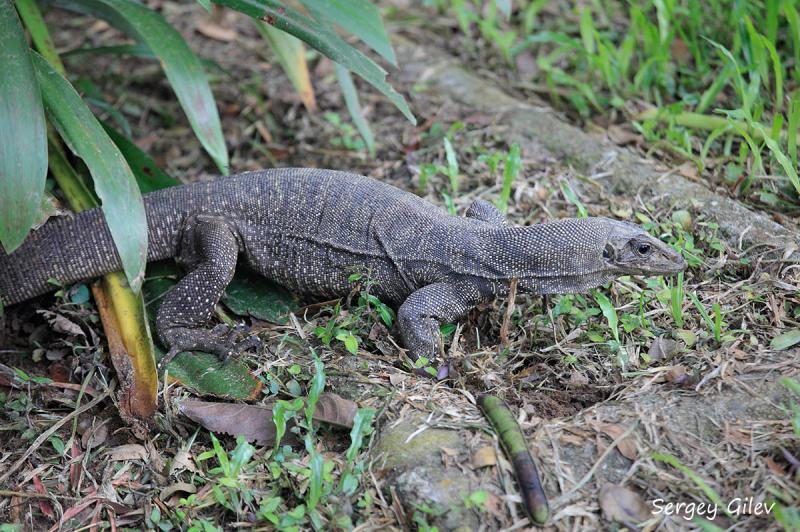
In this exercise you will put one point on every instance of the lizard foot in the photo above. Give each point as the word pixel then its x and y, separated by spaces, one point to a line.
pixel 223 341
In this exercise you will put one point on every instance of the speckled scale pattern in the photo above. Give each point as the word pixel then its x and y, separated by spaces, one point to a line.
pixel 310 230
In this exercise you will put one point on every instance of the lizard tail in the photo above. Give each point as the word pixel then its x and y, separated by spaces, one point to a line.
pixel 67 249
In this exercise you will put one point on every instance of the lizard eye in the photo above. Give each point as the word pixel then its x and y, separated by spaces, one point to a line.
pixel 643 249
pixel 608 252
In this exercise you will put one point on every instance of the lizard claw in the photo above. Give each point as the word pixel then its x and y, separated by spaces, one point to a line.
pixel 230 344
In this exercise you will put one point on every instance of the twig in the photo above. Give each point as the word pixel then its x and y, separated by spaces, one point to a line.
pixel 512 296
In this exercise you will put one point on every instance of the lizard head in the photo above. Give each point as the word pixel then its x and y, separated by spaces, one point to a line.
pixel 632 251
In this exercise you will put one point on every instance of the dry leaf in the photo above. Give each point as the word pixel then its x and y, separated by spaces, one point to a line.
pixel 775 468
pixel 449 452
pixel 735 435
pixel 627 447
pixel 675 374
pixel 623 505
pixel 255 422
pixel 397 378
pixel 578 378
pixel 182 487
pixel 123 453
pixel 661 348
pixel 215 31
pixel 98 434
pixel 621 136
pixel 484 457
pixel 182 460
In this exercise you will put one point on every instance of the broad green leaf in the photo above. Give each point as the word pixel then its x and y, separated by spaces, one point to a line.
pixel 206 4
pixel 321 39
pixel 148 175
pixel 785 340
pixel 360 18
pixel 23 136
pixel 113 179
pixel 291 55
pixel 252 294
pixel 183 69
pixel 354 107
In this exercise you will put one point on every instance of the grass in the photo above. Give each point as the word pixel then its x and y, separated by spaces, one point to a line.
pixel 702 81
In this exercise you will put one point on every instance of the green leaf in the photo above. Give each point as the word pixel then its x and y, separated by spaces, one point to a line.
pixel 183 69
pixel 351 343
pixel 354 107
pixel 784 161
pixel 148 175
pixel 360 18
pixel 206 4
pixel 113 179
pixel 317 36
pixel 609 312
pixel 785 340
pixel 23 136
pixel 252 294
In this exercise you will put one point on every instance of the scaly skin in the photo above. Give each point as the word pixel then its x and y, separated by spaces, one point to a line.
pixel 310 229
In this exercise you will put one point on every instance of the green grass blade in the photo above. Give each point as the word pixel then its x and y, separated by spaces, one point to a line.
pixel 513 164
pixel 40 36
pixel 317 36
pixel 113 179
pixel 777 69
pixel 793 123
pixel 793 23
pixel 360 18
pixel 742 89
pixel 23 135
pixel 354 107
pixel 784 161
pixel 181 66
pixel 609 312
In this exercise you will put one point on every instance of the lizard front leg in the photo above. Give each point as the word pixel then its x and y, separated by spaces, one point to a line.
pixel 487 212
pixel 208 249
pixel 423 312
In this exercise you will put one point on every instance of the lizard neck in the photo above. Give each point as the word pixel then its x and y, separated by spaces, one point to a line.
pixel 563 257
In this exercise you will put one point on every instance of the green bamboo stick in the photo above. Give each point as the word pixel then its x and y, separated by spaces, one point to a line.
pixel 513 442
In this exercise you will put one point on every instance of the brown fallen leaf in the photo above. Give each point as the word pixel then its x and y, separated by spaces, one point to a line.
pixel 675 373
pixel 775 468
pixel 484 457
pixel 621 136
pixel 123 453
pixel 255 422
pixel 622 505
pixel 662 348
pixel 182 460
pixel 627 447
pixel 217 32
pixel 735 435
pixel 578 378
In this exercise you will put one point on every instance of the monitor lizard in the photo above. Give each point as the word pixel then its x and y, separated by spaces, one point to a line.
pixel 311 229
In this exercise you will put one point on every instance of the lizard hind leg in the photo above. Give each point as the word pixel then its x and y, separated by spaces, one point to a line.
pixel 208 249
